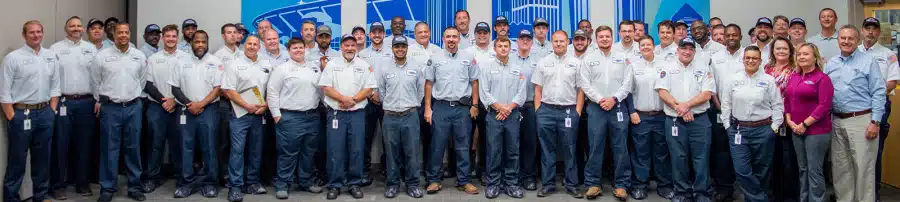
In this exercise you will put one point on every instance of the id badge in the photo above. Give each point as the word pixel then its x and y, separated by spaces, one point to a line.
pixel 27 124
pixel 737 139
pixel 568 122
pixel 674 131
pixel 619 116
pixel 62 111
pixel 264 120
pixel 334 124
pixel 182 119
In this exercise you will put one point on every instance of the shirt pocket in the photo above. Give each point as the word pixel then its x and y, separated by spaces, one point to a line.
pixel 857 76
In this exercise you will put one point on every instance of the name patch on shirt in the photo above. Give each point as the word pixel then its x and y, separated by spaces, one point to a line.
pixel 411 72
pixel 159 61
pixel 64 52
pixel 570 65
pixel 242 67
pixel 594 63
pixel 27 62
pixel 111 58
pixel 49 59
pixel 515 72
pixel 639 72
pixel 618 61
pixel 135 58
pixel 389 76
pixel 86 52
pixel 465 63
pixel 186 66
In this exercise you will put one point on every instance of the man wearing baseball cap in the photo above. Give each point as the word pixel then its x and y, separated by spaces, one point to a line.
pixel 347 82
pixel 188 28
pixel 323 42
pixel 527 59
pixel 687 126
pixel 151 40
pixel 797 31
pixel 542 46
pixel 482 47
pixel 887 63
pixel 359 33
pixel 241 35
pixel 501 27
pixel 95 29
pixel 681 30
pixel 108 29
pixel 763 35
pixel 374 113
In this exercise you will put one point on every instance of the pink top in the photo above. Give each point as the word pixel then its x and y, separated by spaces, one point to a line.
pixel 809 95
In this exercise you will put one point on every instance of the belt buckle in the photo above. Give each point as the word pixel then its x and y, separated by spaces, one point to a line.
pixel 452 104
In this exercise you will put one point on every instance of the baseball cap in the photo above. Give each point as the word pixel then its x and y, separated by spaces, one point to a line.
pixel 151 28
pixel 687 41
pixel 764 21
pixel 400 40
pixel 111 20
pixel 581 33
pixel 376 25
pixel 323 29
pixel 241 27
pixel 681 23
pixel 360 28
pixel 189 22
pixel 525 33
pixel 798 21
pixel 871 22
pixel 501 19
pixel 482 26
pixel 347 37
pixel 541 21
pixel 95 21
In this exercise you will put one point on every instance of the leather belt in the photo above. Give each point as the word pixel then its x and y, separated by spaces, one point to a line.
pixel 852 114
pixel 752 124
pixel 649 113
pixel 556 106
pixel 402 113
pixel 451 103
pixel 31 106
pixel 311 111
pixel 77 97
pixel 127 103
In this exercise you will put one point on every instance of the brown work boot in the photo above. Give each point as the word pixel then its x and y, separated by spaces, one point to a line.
pixel 593 192
pixel 468 188
pixel 433 188
pixel 621 194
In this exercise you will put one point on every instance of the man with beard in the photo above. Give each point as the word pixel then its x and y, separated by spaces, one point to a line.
pixel 398 27
pixel 323 51
pixel 151 40
pixel 196 82
pixel 462 20
pixel 319 56
pixel 188 28
pixel 308 30
pixel 718 34
pixel 374 113
pixel 826 40
pixel 724 64
pixel 347 83
pixel 780 28
pixel 501 28
pixel 764 36
pixel 705 46
pixel 639 31
pixel 583 25
pixel 580 44
pixel 482 46
pixel 626 45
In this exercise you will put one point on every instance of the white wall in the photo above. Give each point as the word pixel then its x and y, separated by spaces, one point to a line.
pixel 745 13
pixel 209 14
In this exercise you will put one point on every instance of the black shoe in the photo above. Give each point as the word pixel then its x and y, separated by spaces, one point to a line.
pixel 84 190
pixel 723 196
pixel 701 198
pixel 483 180
pixel 105 196
pixel 254 189
pixel 235 195
pixel 209 191
pixel 311 189
pixel 59 194
pixel 492 192
pixel 184 192
pixel 137 196
pixel 680 199
pixel 514 191
pixel 546 191
pixel 148 186
pixel 666 193
pixel 530 185
pixel 639 194
pixel 391 192
pixel 572 191
pixel 333 193
pixel 365 182
pixel 356 192
pixel 414 191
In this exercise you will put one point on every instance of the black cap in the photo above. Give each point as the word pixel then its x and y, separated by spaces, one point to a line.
pixel 681 23
pixel 323 29
pixel 95 21
pixel 151 28
pixel 581 33
pixel 347 37
pixel 376 26
pixel 687 41
pixel 188 22
pixel 111 20
pixel 358 28
pixel 400 40
pixel 501 19
pixel 241 27
pixel 871 22
pixel 798 21
pixel 482 26
pixel 764 21
pixel 541 21
pixel 525 33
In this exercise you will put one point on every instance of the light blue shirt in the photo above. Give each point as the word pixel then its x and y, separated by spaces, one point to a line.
pixel 313 55
pixel 372 55
pixel 528 64
pixel 539 50
pixel 452 74
pixel 828 46
pixel 29 77
pixel 148 50
pixel 858 85
pixel 74 66
pixel 401 87
pixel 186 47
pixel 501 83
pixel 119 75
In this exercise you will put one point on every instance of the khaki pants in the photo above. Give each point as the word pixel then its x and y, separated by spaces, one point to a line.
pixel 853 160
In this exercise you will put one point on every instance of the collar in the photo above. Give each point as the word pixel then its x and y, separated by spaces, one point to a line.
pixel 645 59
pixel 301 63
pixel 833 36
pixel 230 50
pixel 72 43
pixel 167 54
pixel 541 43
pixel 30 50
pixel 195 58
pixel 127 49
pixel 497 59
pixel 377 50
pixel 738 52
pixel 559 58
pixel 401 66
pixel 844 59
pixel 449 54
pixel 877 46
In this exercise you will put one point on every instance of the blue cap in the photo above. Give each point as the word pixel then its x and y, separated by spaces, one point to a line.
pixel 687 41
pixel 151 28
pixel 189 22
pixel 798 21
pixel 482 26
pixel 764 21
pixel 347 37
pixel 525 33
pixel 400 40
pixel 376 25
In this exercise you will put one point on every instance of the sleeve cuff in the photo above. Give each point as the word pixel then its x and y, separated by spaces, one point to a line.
pixel 276 112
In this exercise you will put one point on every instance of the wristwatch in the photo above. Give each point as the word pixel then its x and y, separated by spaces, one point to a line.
pixel 876 122
pixel 804 124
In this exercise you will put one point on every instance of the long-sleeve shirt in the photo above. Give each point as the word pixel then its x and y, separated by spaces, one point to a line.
pixel 501 83
pixel 810 95
pixel 119 75
pixel 293 86
pixel 752 98
pixel 29 77
pixel 74 66
pixel 860 85
pixel 605 76
pixel 401 87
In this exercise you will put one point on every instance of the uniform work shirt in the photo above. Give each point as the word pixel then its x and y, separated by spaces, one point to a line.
pixel 725 65
pixel 262 48
pixel 482 54
pixel 243 74
pixel 451 75
pixel 466 40
pixel 539 50
pixel 828 46
pixel 633 51
pixel 605 75
pixel 686 82
pixel 501 83
pixel 313 55
pixel 294 86
pixel 29 77
pixel 347 78
pixel 74 66
pixel 752 98
pixel 707 51
pixel 161 66
pixel 558 78
pixel 148 50
pixel 858 84
pixel 886 59
pixel 810 95
pixel 646 75
pixel 197 77
pixel 668 53
pixel 400 87
pixel 371 55
pixel 226 54
pixel 275 60
pixel 185 46
pixel 119 75
pixel 528 65
pixel 420 53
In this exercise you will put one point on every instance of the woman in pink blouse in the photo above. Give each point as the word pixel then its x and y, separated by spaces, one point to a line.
pixel 781 65
pixel 807 107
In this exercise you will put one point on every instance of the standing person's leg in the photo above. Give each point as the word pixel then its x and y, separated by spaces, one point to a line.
pixel 803 166
pixel 206 135
pixel 510 156
pixel 568 136
pixel 255 142
pixel 762 158
pixel 480 170
pixel 157 126
pixel 41 143
pixel 287 142
pixel 112 120
pixel 494 141
pixel 188 124
pixel 440 135
pixel 677 140
pixel 410 146
pixel 641 158
pixel 355 145
pixel 662 163
pixel 842 165
pixel 308 126
pixel 462 137
pixel 619 142
pixel 85 134
pixel 238 130
pixel 700 139
pixel 223 139
pixel 863 151
pixel 19 142
pixel 528 152
pixel 392 126
pixel 817 147
pixel 597 132
pixel 59 156
pixel 131 146
pixel 882 136
pixel 721 167
pixel 548 136
pixel 337 151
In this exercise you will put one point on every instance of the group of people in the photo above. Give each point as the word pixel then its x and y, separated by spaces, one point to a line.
pixel 694 110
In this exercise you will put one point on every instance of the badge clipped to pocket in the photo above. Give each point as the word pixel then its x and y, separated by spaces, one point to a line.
pixel 63 111
pixel 334 124
pixel 568 122
pixel 674 131
pixel 27 123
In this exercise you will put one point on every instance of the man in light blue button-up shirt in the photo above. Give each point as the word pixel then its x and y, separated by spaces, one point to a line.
pixel 858 81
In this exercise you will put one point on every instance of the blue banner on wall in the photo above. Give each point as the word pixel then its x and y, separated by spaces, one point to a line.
pixel 438 14
pixel 561 14
pixel 286 16
pixel 651 12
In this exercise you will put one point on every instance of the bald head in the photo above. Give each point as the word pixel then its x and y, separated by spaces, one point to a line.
pixel 263 26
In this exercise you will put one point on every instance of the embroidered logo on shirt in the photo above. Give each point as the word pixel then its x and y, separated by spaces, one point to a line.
pixel 411 72
pixel 111 58
pixel 86 52
pixel 135 58
pixel 808 82
pixel 761 84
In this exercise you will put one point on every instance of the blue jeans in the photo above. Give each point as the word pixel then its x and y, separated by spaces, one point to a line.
pixel 37 139
pixel 295 136
pixel 120 130
pixel 401 146
pixel 690 148
pixel 200 129
pixel 555 137
pixel 502 152
pixel 721 167
pixel 374 115
pixel 752 158
pixel 603 124
pixel 346 143
pixel 246 133
pixel 811 150
pixel 163 126
pixel 77 128
pixel 650 147
pixel 528 150
pixel 449 121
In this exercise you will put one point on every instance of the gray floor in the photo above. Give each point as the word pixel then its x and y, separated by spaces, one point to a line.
pixel 374 193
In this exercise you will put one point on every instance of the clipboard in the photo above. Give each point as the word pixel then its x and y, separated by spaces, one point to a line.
pixel 250 95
